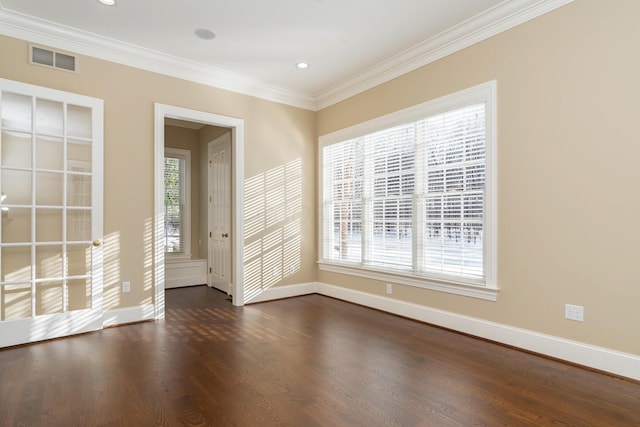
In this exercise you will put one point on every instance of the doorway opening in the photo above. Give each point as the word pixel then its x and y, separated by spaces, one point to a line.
pixel 233 128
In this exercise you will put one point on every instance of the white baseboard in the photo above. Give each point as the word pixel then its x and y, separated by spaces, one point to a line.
pixel 280 292
pixel 121 316
pixel 604 359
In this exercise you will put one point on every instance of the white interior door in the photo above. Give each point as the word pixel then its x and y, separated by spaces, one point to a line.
pixel 51 203
pixel 219 177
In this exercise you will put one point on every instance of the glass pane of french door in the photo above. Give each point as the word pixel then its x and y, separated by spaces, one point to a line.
pixel 50 234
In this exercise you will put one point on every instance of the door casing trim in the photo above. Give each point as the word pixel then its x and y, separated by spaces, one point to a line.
pixel 236 125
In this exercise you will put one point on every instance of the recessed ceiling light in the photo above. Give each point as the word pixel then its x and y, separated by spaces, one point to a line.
pixel 205 34
pixel 302 65
pixel 108 2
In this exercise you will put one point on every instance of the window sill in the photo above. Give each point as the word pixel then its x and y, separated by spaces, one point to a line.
pixel 442 285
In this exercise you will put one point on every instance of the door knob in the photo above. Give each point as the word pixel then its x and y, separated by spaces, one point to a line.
pixel 97 242
pixel 225 235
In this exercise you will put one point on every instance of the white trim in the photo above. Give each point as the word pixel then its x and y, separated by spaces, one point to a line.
pixel 288 291
pixel 591 356
pixel 443 285
pixel 237 213
pixel 604 359
pixel 161 112
pixel 491 189
pixel 46 327
pixel 505 16
pixel 120 316
pixel 158 212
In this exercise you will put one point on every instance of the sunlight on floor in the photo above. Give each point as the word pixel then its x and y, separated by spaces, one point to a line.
pixel 195 324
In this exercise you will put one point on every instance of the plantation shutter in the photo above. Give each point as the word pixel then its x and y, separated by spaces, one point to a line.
pixel 342 201
pixel 389 188
pixel 452 157
pixel 174 204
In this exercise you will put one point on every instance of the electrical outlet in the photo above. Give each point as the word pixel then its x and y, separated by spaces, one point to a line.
pixel 574 312
pixel 126 287
pixel 389 288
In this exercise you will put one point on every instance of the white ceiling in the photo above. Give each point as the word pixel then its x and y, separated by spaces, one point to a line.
pixel 349 44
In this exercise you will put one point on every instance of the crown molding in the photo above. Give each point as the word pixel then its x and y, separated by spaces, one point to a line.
pixel 498 19
pixel 502 17
pixel 77 41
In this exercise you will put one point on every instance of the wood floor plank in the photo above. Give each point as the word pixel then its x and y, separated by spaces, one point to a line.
pixel 306 361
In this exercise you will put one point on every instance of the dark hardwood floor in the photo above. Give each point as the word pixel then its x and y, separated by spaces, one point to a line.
pixel 306 361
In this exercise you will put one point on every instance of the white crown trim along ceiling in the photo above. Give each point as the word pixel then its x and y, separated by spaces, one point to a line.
pixel 507 15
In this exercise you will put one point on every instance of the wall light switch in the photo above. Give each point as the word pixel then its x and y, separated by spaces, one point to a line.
pixel 126 287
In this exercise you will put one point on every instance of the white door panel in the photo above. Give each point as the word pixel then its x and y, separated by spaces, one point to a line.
pixel 219 151
pixel 51 201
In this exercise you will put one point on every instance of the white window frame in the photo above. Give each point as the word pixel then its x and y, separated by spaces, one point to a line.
pixel 488 289
pixel 184 155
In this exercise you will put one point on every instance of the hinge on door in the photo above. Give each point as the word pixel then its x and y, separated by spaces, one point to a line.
pixel 210 199
pixel 210 270
pixel 210 236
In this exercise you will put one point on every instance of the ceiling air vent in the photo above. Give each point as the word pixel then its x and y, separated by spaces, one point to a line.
pixel 52 58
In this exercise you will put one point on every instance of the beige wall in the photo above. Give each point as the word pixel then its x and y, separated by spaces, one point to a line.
pixel 567 169
pixel 275 135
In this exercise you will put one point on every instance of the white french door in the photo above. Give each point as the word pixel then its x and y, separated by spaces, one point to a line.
pixel 219 151
pixel 51 203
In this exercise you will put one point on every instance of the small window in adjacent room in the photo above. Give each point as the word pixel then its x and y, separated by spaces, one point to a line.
pixel 177 165
pixel 409 197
